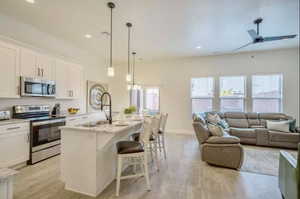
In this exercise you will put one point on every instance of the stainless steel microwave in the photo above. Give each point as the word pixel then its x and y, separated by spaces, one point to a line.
pixel 37 87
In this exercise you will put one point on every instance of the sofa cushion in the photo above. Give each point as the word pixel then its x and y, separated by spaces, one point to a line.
pixel 253 119
pixel 243 132
pixel 273 116
pixel 277 136
pixel 235 115
pixel 238 123
pixel 227 139
pixel 201 131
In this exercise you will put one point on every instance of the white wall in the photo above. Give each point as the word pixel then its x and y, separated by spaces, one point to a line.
pixel 173 76
pixel 25 35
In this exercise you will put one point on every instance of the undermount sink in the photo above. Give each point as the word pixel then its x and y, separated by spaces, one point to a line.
pixel 94 124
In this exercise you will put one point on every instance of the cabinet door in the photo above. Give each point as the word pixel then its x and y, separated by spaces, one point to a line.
pixel 9 71
pixel 46 65
pixel 15 145
pixel 28 63
pixel 75 80
pixel 61 78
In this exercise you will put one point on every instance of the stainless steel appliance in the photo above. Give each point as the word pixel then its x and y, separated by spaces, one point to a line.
pixel 4 115
pixel 44 131
pixel 37 87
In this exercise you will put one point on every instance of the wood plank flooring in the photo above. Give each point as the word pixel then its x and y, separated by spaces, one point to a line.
pixel 182 176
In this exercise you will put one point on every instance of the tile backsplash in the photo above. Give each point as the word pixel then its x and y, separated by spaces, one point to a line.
pixel 7 104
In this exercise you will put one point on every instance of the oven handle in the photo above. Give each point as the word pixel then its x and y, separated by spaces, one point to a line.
pixel 47 122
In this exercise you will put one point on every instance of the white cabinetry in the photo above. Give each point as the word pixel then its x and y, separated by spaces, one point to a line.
pixel 34 64
pixel 68 80
pixel 9 71
pixel 14 144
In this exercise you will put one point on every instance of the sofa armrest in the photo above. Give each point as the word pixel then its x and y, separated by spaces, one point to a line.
pixel 297 129
pixel 287 176
pixel 228 139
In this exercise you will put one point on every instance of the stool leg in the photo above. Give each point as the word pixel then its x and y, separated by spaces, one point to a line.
pixel 156 155
pixel 159 143
pixel 164 146
pixel 146 171
pixel 119 171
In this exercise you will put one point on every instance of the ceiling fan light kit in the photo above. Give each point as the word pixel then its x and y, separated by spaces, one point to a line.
pixel 257 38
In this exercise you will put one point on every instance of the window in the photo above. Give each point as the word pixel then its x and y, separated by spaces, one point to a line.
pixel 267 93
pixel 145 98
pixel 202 93
pixel 232 93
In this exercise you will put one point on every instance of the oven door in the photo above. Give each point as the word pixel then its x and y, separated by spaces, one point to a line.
pixel 45 132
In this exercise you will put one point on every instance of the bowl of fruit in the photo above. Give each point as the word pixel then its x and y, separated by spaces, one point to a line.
pixel 73 110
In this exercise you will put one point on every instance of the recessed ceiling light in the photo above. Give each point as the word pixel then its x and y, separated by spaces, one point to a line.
pixel 88 36
pixel 30 1
pixel 198 47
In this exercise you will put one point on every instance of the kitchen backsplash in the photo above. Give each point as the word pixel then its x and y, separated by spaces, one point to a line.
pixel 7 104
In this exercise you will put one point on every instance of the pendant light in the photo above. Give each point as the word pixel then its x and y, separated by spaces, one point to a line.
pixel 134 86
pixel 128 76
pixel 110 69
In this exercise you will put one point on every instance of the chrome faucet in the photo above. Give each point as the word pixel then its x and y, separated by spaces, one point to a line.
pixel 102 105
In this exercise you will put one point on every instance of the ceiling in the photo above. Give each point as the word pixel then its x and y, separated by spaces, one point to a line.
pixel 162 29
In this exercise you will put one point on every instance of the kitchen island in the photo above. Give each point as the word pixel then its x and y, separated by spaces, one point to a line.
pixel 89 155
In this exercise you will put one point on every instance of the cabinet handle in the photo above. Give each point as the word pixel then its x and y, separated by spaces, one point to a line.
pixel 42 72
pixel 13 128
pixel 28 137
pixel 39 73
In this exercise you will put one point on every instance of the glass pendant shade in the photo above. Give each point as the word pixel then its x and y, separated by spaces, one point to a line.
pixel 128 77
pixel 110 72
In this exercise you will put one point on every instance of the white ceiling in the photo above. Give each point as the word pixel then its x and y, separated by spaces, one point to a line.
pixel 162 28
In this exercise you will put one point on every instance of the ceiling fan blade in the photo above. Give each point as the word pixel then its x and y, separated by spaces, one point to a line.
pixel 279 37
pixel 253 34
pixel 243 46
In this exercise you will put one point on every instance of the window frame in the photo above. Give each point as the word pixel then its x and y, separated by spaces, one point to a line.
pixel 232 97
pixel 280 99
pixel 144 97
pixel 205 98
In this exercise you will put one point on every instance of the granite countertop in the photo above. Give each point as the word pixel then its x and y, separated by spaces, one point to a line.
pixel 104 128
pixel 12 121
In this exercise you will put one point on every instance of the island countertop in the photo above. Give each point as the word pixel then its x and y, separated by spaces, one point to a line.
pixel 89 154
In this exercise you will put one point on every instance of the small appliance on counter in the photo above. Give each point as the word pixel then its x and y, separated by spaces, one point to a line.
pixel 4 115
pixel 56 110
pixel 44 130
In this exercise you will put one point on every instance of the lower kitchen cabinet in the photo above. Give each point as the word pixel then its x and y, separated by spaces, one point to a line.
pixel 14 144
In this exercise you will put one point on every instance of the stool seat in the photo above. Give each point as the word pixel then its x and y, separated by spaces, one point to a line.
pixel 136 137
pixel 126 147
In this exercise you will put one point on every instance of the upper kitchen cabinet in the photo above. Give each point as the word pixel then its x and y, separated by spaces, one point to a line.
pixel 68 80
pixel 36 65
pixel 9 70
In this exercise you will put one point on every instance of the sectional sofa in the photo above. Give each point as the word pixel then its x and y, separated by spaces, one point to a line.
pixel 251 129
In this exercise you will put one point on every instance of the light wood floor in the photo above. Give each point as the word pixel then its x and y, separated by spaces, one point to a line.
pixel 182 176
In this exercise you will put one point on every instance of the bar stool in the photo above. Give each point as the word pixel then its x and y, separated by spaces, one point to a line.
pixel 132 150
pixel 153 140
pixel 161 134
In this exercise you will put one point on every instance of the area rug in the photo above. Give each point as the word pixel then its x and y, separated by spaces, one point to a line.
pixel 262 160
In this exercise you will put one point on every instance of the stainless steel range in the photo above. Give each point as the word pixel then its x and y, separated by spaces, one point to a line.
pixel 44 131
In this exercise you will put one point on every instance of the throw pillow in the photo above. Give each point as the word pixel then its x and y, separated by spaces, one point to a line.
pixel 292 125
pixel 213 118
pixel 215 130
pixel 223 124
pixel 283 126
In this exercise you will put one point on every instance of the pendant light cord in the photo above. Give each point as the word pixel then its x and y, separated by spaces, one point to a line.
pixel 128 69
pixel 133 68
pixel 111 35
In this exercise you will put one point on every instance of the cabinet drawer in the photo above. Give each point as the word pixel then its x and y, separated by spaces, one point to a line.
pixel 11 128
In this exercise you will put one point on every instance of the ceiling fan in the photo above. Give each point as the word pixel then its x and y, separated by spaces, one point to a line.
pixel 256 38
